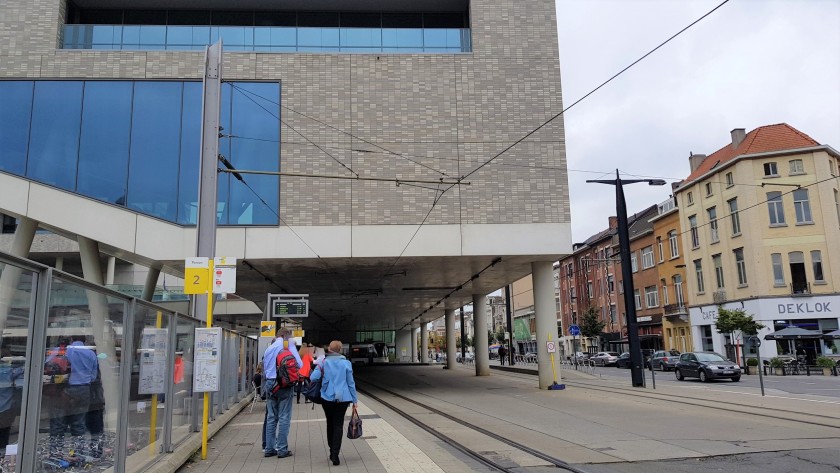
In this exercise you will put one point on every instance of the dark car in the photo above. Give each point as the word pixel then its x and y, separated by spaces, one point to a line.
pixel 706 365
pixel 623 360
pixel 664 360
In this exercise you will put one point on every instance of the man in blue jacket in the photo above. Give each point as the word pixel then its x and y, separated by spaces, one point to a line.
pixel 278 405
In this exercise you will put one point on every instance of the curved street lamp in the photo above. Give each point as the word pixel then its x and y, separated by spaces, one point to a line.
pixel 636 359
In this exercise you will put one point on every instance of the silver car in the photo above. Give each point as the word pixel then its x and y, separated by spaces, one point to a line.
pixel 605 358
pixel 664 360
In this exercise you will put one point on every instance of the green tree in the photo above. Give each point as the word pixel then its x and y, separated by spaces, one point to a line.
pixel 590 325
pixel 500 335
pixel 729 321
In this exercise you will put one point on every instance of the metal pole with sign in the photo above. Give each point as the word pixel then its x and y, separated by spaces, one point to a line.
pixel 757 343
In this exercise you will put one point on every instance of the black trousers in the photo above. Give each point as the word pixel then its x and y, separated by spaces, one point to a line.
pixel 334 411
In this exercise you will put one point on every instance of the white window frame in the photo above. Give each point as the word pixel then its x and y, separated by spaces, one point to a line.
pixel 837 204
pixel 651 296
pixel 776 209
pixel 816 265
pixel 675 247
pixel 647 257
pixel 797 166
pixel 634 265
pixel 698 273
pixel 771 169
pixel 711 212
pixel 741 266
pixel 710 190
pixel 734 218
pixel 661 249
pixel 689 198
pixel 637 296
pixel 678 289
pixel 717 263
pixel 802 207
pixel 730 181
pixel 695 235
pixel 778 270
pixel 665 298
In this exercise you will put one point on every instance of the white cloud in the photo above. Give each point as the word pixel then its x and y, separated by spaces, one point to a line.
pixel 751 63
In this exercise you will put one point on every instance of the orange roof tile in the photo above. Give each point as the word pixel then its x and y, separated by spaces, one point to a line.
pixel 761 140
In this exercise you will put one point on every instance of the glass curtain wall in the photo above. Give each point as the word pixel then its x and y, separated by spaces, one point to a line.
pixel 136 144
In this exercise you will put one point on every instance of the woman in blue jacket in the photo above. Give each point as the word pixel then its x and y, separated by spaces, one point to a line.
pixel 338 390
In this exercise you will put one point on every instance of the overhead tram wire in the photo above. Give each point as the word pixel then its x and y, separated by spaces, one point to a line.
pixel 544 124
pixel 387 151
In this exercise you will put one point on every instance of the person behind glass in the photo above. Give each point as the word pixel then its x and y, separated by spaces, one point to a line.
pixel 305 371
pixel 95 415
pixel 75 400
pixel 338 390
pixel 278 405
pixel 11 388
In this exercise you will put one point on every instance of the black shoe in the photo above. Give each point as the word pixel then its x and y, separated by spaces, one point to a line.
pixel 335 460
pixel 270 453
pixel 284 455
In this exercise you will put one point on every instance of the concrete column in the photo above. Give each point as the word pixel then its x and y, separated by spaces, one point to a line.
pixel 451 349
pixel 482 354
pixel 403 346
pixel 109 272
pixel 59 263
pixel 103 339
pixel 150 284
pixel 424 343
pixel 10 275
pixel 414 345
pixel 545 313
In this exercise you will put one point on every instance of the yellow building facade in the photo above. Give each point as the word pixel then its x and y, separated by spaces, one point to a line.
pixel 760 223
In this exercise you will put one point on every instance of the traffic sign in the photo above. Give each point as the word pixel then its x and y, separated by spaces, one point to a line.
pixel 551 347
pixel 196 275
pixel 574 330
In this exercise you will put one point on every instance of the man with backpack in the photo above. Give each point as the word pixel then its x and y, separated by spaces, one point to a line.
pixel 281 365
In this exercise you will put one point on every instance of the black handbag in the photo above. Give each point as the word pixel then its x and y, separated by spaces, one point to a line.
pixel 354 427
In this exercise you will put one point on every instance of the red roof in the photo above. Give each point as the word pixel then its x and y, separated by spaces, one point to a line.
pixel 761 140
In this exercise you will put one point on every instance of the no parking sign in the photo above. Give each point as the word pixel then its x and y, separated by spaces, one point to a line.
pixel 551 347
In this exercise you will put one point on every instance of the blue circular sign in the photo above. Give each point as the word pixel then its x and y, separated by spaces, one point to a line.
pixel 574 330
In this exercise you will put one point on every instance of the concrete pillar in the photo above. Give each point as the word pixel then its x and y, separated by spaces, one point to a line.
pixel 545 313
pixel 10 275
pixel 150 284
pixel 109 272
pixel 424 343
pixel 414 345
pixel 59 263
pixel 451 349
pixel 403 346
pixel 482 354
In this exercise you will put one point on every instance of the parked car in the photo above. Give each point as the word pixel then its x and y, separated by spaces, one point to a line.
pixel 605 358
pixel 664 360
pixel 579 357
pixel 623 360
pixel 706 365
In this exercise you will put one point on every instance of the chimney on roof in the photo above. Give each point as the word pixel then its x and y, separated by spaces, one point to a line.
pixel 738 135
pixel 695 160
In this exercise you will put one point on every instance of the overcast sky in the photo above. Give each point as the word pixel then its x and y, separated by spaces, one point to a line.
pixel 751 63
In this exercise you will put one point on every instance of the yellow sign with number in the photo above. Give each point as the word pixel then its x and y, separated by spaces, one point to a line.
pixel 196 280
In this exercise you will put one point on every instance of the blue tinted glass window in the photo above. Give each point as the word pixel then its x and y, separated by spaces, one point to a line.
pixel 155 143
pixel 190 151
pixel 54 140
pixel 104 143
pixel 223 184
pixel 15 112
pixel 402 37
pixel 179 35
pixel 318 37
pixel 255 116
pixel 361 37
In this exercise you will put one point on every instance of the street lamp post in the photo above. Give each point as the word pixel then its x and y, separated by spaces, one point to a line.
pixel 636 359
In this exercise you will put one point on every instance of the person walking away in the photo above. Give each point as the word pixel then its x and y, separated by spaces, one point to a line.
pixel 83 372
pixel 278 404
pixel 502 354
pixel 305 371
pixel 338 390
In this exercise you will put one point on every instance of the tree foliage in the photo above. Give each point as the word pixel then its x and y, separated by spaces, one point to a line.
pixel 729 321
pixel 590 325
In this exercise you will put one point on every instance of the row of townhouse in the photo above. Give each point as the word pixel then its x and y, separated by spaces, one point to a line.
pixel 755 226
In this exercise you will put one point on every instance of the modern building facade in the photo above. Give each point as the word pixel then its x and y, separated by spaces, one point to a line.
pixel 761 228
pixel 100 130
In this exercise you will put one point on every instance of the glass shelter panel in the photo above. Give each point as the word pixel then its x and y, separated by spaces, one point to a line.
pixel 80 391
pixel 16 309
pixel 183 378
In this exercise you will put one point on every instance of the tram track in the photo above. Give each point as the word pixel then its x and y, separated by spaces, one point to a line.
pixel 808 418
pixel 450 440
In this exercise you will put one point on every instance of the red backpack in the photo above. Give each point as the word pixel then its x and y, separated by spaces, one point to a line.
pixel 287 370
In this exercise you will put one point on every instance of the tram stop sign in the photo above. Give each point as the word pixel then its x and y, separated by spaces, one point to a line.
pixel 574 330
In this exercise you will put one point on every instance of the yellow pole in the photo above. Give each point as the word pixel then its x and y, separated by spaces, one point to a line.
pixel 152 433
pixel 551 356
pixel 206 414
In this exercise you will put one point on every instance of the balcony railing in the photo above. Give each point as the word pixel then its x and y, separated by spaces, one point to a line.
pixel 674 309
pixel 268 38
pixel 800 288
